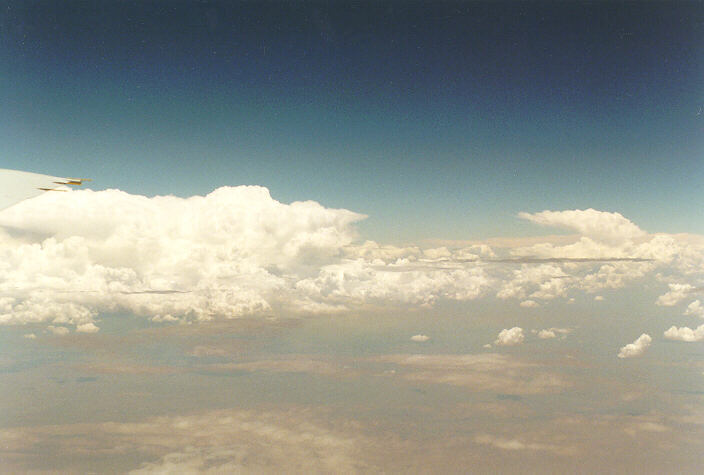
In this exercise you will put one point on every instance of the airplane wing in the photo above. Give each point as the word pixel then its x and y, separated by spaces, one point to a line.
pixel 16 186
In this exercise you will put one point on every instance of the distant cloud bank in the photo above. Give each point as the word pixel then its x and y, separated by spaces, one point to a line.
pixel 237 252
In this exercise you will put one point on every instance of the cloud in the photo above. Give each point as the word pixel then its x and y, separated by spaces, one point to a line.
pixel 548 333
pixel 541 281
pixel 598 225
pixel 87 328
pixel 420 338
pixel 488 372
pixel 223 255
pixel 675 295
pixel 477 372
pixel 118 366
pixel 287 364
pixel 510 337
pixel 529 304
pixel 685 334
pixel 237 252
pixel 695 308
pixel 552 332
pixel 636 348
pixel 30 336
pixel 225 441
pixel 233 253
pixel 515 444
pixel 649 423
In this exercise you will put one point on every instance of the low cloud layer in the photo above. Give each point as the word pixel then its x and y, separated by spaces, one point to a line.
pixel 307 440
pixel 237 252
pixel 228 441
pixel 489 372
pixel 518 445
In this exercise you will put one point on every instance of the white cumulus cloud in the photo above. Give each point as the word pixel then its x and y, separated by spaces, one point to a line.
pixel 87 328
pixel 223 255
pixel 510 337
pixel 636 348
pixel 232 253
pixel 420 338
pixel 695 308
pixel 68 258
pixel 675 295
pixel 552 332
pixel 685 333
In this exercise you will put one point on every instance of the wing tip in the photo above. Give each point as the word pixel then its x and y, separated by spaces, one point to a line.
pixel 73 181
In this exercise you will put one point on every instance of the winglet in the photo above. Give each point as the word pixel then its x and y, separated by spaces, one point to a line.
pixel 72 181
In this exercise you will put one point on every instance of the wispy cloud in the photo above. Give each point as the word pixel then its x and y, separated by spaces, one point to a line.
pixel 518 445
pixel 552 332
pixel 478 372
pixel 285 364
pixel 228 441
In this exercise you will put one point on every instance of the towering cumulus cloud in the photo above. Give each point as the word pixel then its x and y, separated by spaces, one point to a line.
pixel 67 258
pixel 222 255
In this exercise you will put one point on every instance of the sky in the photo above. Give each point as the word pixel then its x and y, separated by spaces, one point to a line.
pixel 452 117
pixel 349 237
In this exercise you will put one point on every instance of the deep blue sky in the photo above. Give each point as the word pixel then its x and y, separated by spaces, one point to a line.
pixel 437 120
